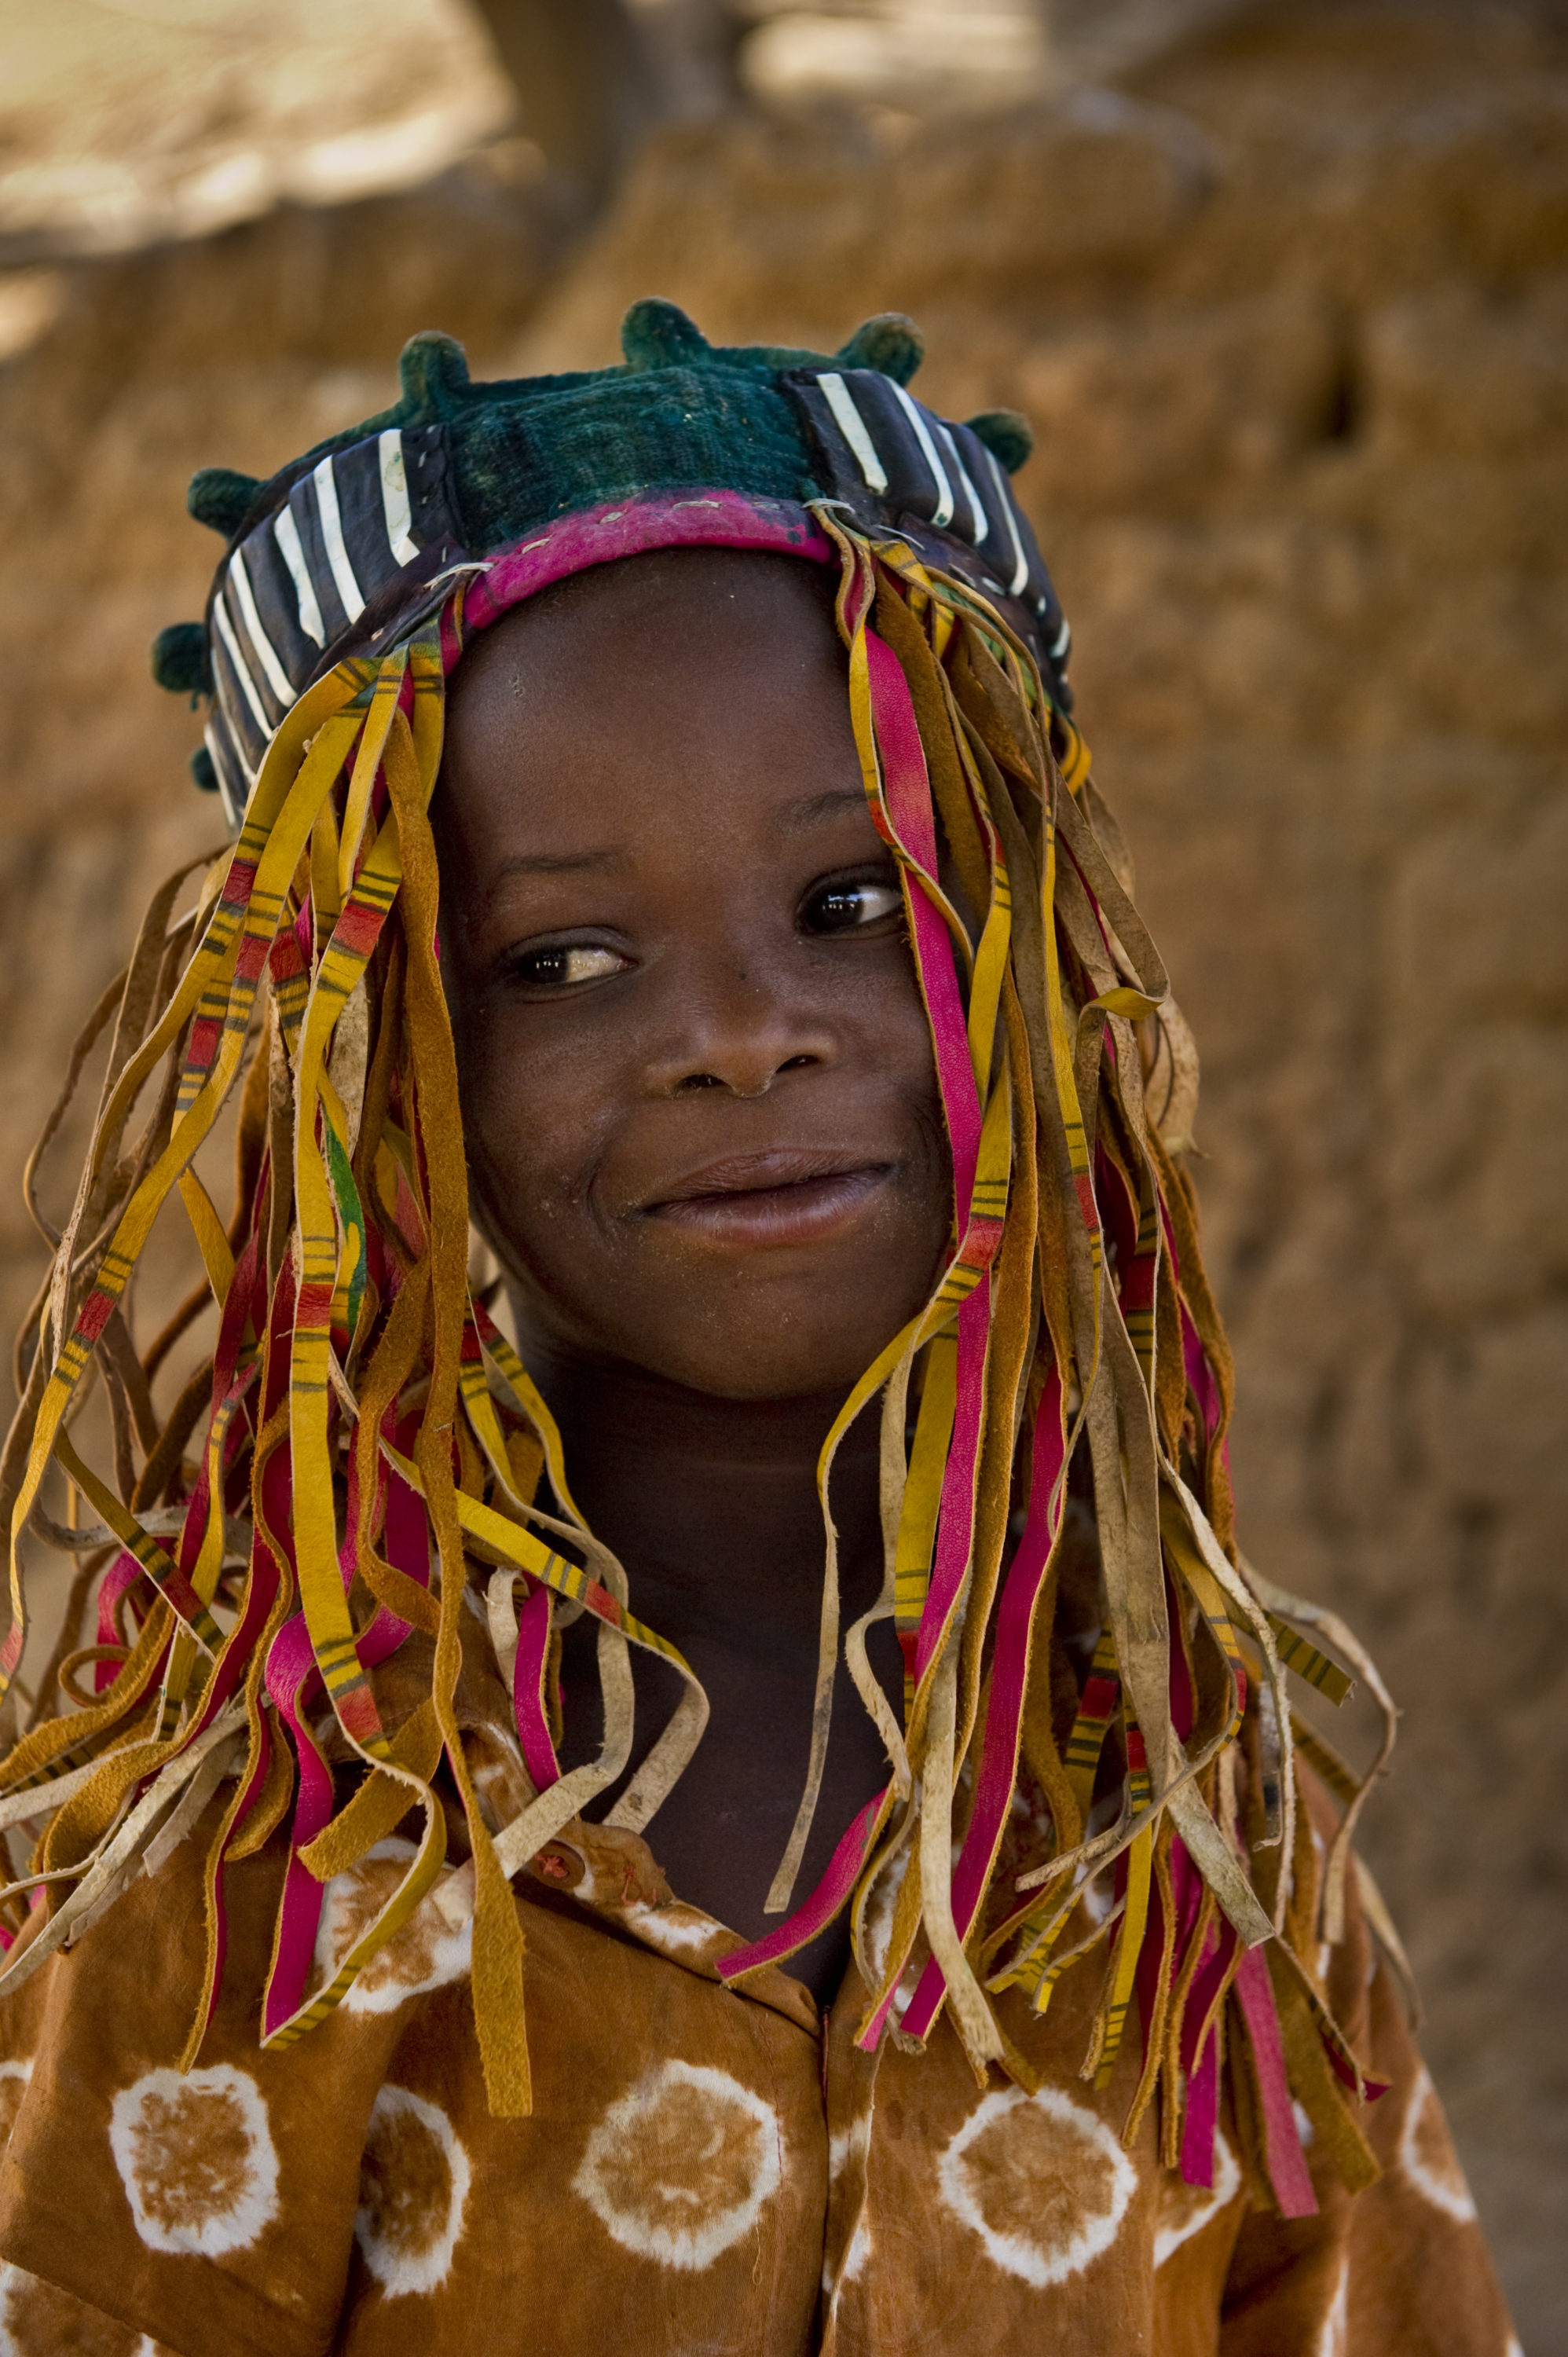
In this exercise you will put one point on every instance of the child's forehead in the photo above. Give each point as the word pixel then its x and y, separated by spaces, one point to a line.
pixel 623 691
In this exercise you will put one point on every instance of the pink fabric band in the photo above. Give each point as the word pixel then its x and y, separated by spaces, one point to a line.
pixel 601 535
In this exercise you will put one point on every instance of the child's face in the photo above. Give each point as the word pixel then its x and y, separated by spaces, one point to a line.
pixel 702 1124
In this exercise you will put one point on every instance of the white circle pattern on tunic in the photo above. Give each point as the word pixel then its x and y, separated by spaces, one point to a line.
pixel 680 2167
pixel 1334 2338
pixel 13 2078
pixel 424 1954
pixel 1041 2181
pixel 195 2159
pixel 1186 2209
pixel 851 2145
pixel 414 2188
pixel 1428 2158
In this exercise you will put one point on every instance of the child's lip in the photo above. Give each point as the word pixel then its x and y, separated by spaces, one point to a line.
pixel 784 1195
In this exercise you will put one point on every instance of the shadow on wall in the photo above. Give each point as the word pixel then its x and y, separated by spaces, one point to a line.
pixel 1289 307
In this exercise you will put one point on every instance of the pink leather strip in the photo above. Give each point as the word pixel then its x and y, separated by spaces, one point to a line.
pixel 999 1755
pixel 291 1675
pixel 823 1903
pixel 1202 2118
pixel 527 1683
pixel 1286 2162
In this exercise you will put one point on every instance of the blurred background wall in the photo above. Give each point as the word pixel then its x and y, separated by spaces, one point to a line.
pixel 1285 293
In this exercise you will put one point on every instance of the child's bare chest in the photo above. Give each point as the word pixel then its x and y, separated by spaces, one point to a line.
pixel 721 1833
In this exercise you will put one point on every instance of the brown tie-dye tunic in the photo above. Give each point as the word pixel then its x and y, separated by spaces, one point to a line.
pixel 704 2170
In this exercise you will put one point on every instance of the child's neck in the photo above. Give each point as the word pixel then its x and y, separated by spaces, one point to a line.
pixel 711 1506
pixel 712 1503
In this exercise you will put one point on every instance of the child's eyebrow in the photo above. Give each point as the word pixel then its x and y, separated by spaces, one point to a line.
pixel 794 818
pixel 554 863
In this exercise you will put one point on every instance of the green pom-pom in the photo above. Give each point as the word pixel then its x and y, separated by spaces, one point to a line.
pixel 890 344
pixel 220 498
pixel 434 371
pixel 1009 438
pixel 180 660
pixel 657 334
pixel 204 771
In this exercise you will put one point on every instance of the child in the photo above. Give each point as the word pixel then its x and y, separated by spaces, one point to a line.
pixel 663 839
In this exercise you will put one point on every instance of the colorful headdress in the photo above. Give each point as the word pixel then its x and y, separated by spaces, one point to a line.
pixel 344 550
pixel 271 1540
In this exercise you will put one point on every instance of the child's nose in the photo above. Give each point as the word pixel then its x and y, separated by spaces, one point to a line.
pixel 733 1026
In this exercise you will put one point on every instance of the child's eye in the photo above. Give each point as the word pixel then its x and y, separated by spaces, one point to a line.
pixel 559 966
pixel 850 908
